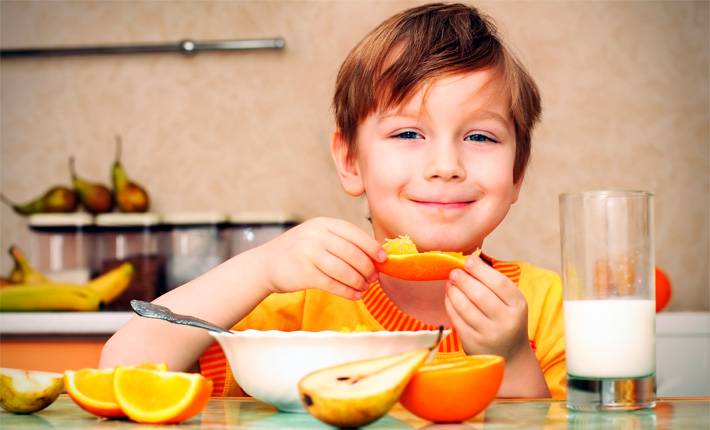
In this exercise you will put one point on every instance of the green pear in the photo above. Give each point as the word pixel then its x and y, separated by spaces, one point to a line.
pixel 129 196
pixel 55 199
pixel 96 198
pixel 27 391
pixel 358 393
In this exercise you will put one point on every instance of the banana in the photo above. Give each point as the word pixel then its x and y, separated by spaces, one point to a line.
pixel 24 272
pixel 49 297
pixel 112 283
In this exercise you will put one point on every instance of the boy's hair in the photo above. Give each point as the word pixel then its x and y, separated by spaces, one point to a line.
pixel 393 61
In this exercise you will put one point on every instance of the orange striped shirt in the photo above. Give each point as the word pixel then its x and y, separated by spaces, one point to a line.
pixel 315 310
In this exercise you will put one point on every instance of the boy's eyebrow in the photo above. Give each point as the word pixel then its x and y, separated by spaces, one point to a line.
pixel 480 113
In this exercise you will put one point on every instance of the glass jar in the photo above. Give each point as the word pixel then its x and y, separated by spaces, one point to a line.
pixel 195 243
pixel 60 246
pixel 134 238
pixel 249 230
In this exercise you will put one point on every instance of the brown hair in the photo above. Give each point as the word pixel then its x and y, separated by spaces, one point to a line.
pixel 393 61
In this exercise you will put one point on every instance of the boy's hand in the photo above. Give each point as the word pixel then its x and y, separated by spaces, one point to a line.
pixel 325 253
pixel 487 310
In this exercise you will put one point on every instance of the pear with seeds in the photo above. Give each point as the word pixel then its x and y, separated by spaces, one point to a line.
pixel 129 196
pixel 360 392
pixel 27 391
pixel 55 200
pixel 96 198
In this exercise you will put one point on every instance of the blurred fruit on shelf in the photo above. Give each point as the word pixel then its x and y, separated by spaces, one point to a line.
pixel 54 296
pixel 55 199
pixel 48 297
pixel 111 284
pixel 28 391
pixel 23 272
pixel 94 197
pixel 128 195
pixel 663 289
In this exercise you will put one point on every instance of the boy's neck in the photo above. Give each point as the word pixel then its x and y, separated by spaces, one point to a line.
pixel 421 300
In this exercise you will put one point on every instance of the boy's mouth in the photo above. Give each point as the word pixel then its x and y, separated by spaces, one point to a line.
pixel 443 205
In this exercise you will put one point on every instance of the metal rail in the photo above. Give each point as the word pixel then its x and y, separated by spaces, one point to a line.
pixel 187 47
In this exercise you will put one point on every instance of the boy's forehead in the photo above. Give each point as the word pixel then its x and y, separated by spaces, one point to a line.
pixel 481 90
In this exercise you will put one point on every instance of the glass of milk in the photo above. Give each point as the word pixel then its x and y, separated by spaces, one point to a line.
pixel 609 299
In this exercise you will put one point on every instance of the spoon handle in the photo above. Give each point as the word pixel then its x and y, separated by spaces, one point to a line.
pixel 151 310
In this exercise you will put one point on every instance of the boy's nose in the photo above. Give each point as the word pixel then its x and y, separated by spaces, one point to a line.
pixel 445 163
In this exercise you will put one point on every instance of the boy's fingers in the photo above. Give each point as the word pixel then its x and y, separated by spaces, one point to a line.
pixel 497 282
pixel 351 255
pixel 458 323
pixel 482 297
pixel 358 237
pixel 335 268
pixel 468 312
pixel 331 285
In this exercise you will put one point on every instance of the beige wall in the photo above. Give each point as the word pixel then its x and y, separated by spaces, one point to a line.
pixel 625 88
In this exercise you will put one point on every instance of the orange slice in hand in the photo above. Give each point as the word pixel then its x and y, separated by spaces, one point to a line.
pixel 92 389
pixel 455 389
pixel 153 396
pixel 405 262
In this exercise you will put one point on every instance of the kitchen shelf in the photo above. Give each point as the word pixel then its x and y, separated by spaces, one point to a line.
pixel 62 323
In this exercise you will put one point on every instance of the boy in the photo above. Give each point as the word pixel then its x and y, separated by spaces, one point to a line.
pixel 434 117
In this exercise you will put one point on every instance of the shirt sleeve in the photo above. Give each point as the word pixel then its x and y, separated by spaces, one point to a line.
pixel 549 330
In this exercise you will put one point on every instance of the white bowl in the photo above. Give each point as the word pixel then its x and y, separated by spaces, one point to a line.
pixel 269 364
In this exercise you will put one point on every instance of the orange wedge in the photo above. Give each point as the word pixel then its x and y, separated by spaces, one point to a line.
pixel 405 262
pixel 454 390
pixel 160 397
pixel 92 389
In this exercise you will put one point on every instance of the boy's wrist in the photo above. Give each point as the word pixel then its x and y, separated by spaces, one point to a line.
pixel 251 262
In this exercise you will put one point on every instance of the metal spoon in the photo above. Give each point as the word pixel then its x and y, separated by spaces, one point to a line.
pixel 151 310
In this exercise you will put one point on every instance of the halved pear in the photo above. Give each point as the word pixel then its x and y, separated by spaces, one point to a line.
pixel 28 391
pixel 357 393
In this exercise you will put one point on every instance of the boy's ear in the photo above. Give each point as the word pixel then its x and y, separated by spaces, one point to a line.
pixel 348 170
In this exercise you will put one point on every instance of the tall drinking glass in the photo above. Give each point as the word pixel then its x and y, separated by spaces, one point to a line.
pixel 609 299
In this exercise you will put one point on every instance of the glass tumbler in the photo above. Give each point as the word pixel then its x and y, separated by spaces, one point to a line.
pixel 609 299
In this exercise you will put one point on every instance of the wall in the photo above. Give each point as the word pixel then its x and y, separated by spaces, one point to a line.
pixel 625 88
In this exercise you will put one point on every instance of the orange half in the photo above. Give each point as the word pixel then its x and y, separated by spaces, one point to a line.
pixel 405 262
pixel 160 397
pixel 454 390
pixel 92 389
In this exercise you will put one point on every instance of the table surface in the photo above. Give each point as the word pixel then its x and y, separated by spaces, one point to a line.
pixel 246 413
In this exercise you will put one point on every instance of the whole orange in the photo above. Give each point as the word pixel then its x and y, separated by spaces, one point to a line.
pixel 454 390
pixel 663 290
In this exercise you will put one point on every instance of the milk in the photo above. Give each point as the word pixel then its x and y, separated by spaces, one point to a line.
pixel 610 338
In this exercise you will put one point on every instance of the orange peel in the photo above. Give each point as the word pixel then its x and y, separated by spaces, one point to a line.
pixel 404 261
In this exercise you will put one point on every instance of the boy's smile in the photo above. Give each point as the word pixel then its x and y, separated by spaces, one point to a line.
pixel 439 167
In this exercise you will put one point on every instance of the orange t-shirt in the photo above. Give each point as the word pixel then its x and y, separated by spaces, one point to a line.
pixel 316 310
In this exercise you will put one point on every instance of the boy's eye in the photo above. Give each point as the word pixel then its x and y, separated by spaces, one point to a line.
pixel 408 135
pixel 478 137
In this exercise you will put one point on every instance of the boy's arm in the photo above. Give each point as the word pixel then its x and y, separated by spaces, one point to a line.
pixel 223 295
pixel 323 253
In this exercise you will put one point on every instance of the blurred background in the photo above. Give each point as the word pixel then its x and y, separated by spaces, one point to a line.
pixel 625 89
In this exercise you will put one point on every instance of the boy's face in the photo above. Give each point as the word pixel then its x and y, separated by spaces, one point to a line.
pixel 439 167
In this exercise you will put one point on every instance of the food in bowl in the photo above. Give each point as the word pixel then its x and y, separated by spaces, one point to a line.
pixel 269 364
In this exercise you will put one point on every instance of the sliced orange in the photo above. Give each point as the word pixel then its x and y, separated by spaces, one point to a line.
pixel 160 397
pixel 454 390
pixel 92 389
pixel 404 261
